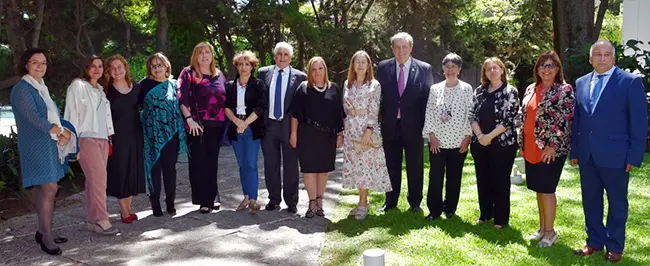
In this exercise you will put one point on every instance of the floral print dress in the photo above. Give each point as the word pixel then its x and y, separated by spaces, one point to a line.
pixel 363 168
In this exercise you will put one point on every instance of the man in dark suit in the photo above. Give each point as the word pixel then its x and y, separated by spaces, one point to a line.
pixel 280 81
pixel 608 141
pixel 405 83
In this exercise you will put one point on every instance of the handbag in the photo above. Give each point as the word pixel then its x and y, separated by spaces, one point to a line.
pixel 110 138
pixel 375 142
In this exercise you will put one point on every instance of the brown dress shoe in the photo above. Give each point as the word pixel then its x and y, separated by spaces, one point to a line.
pixel 613 256
pixel 585 251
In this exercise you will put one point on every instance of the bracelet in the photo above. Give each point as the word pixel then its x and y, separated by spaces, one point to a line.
pixel 60 132
pixel 185 118
pixel 371 128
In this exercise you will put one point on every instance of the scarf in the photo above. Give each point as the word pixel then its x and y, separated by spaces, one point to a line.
pixel 52 111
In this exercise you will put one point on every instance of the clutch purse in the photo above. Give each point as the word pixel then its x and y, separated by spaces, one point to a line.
pixel 375 142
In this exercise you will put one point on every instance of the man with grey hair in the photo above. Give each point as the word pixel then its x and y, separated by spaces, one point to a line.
pixel 608 141
pixel 405 83
pixel 280 82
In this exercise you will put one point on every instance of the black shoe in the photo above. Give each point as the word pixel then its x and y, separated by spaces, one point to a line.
pixel 171 210
pixel 58 240
pixel 272 207
pixel 387 208
pixel 157 210
pixel 217 206
pixel 205 209
pixel 292 209
pixel 39 239
pixel 432 217
pixel 449 215
pixel 415 209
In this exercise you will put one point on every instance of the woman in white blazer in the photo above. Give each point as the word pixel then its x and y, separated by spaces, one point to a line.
pixel 90 112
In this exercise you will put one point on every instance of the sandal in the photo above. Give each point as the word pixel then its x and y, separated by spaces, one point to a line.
pixel 354 211
pixel 243 205
pixel 537 236
pixel 319 211
pixel 310 212
pixel 361 213
pixel 548 241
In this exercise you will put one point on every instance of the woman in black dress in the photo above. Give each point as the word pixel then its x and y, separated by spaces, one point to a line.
pixel 316 130
pixel 125 168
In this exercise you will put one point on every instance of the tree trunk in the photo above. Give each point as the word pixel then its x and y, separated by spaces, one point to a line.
pixel 38 24
pixel 574 25
pixel 14 32
pixel 127 31
pixel 162 27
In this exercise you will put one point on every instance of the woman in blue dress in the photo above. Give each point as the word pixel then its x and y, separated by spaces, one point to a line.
pixel 44 144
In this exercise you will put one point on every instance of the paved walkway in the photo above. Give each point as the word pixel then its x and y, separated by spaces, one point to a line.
pixel 222 237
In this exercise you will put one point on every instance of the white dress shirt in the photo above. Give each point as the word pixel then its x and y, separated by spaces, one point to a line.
pixel 272 88
pixel 407 69
pixel 594 81
pixel 241 95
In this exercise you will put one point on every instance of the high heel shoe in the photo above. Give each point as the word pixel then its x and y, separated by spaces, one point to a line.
pixel 254 206
pixel 57 240
pixel 39 239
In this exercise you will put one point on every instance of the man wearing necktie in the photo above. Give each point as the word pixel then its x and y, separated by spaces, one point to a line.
pixel 608 141
pixel 280 81
pixel 405 83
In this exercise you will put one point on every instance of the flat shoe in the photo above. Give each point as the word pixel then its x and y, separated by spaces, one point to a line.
pixel 547 242
pixel 354 211
pixel 362 211
pixel 537 236
pixel 95 227
pixel 205 210
pixel 585 251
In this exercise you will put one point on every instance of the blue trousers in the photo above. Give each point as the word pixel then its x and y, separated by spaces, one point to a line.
pixel 246 150
pixel 594 179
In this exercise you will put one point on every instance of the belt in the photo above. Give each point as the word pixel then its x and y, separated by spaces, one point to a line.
pixel 241 116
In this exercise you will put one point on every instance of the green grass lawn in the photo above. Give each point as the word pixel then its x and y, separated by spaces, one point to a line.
pixel 410 240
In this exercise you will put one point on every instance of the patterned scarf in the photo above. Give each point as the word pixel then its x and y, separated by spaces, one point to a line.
pixel 161 120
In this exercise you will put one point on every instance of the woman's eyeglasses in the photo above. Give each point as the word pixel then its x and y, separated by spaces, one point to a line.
pixel 155 66
pixel 35 63
pixel 547 66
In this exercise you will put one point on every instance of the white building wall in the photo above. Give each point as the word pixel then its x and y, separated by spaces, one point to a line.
pixel 636 21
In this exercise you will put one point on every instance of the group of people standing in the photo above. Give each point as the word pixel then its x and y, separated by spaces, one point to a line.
pixel 300 119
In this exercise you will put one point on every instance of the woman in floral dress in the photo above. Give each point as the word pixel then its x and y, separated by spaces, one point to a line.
pixel 364 167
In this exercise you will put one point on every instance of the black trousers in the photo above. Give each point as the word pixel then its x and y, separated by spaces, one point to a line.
pixel 165 165
pixel 204 164
pixel 412 146
pixel 450 161
pixel 493 165
pixel 278 152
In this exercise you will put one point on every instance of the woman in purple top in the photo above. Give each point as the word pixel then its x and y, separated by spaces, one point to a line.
pixel 203 101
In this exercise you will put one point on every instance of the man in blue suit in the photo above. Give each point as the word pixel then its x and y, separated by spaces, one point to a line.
pixel 608 141
pixel 405 83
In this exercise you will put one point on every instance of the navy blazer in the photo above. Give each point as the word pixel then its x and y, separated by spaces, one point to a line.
pixel 413 102
pixel 615 134
pixel 255 99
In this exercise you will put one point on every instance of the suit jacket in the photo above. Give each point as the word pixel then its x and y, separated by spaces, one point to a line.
pixel 615 133
pixel 265 74
pixel 256 101
pixel 413 102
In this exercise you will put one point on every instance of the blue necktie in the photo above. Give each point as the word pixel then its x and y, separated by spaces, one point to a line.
pixel 596 92
pixel 277 105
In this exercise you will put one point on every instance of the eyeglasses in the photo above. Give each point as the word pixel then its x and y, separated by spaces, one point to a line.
pixel 450 67
pixel 547 66
pixel 495 68
pixel 35 63
pixel 159 65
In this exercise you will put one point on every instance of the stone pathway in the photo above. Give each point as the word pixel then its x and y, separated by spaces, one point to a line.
pixel 223 237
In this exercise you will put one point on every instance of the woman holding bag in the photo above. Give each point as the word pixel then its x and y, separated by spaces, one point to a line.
pixel 364 165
